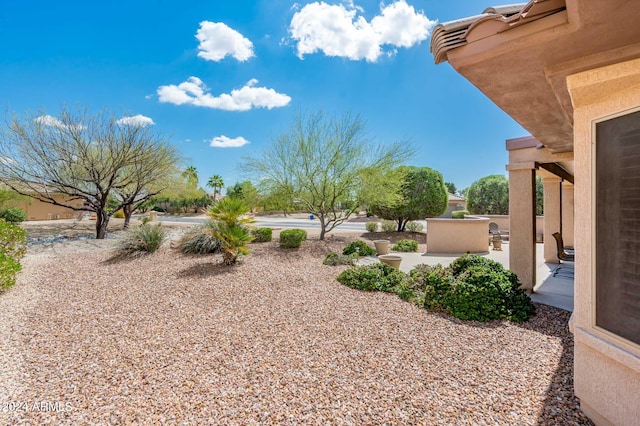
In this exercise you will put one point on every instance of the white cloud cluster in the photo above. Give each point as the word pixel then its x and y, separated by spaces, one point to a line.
pixel 225 142
pixel 194 92
pixel 48 120
pixel 136 120
pixel 218 40
pixel 338 30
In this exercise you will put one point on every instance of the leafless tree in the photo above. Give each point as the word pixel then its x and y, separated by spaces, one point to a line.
pixel 92 158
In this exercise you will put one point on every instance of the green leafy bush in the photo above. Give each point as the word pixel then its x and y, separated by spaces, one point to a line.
pixel 483 290
pixel 389 226
pixel 414 226
pixel 262 235
pixel 376 277
pixel 431 285
pixel 405 245
pixel 141 240
pixel 292 238
pixel 199 240
pixel 359 247
pixel 334 259
pixel 13 214
pixel 371 226
pixel 12 249
pixel 459 214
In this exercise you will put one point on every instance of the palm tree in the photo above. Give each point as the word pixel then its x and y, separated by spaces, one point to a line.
pixel 216 183
pixel 191 175
pixel 231 227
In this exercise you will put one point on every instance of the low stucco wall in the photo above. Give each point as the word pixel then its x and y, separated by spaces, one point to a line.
pixel 503 223
pixel 457 236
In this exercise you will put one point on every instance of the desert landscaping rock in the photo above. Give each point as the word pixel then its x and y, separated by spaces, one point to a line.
pixel 173 339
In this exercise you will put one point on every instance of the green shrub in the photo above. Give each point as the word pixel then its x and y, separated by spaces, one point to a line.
pixel 141 240
pixel 262 235
pixel 376 277
pixel 12 249
pixel 158 209
pixel 431 284
pixel 371 226
pixel 13 214
pixel 389 226
pixel 334 259
pixel 483 290
pixel 405 245
pixel 292 238
pixel 405 292
pixel 119 214
pixel 359 247
pixel 459 214
pixel 414 226
pixel 230 225
pixel 199 240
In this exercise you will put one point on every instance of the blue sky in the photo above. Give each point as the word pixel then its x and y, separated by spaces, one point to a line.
pixel 210 74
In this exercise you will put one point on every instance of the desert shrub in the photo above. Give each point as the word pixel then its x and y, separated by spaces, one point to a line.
pixel 158 209
pixel 334 259
pixel 230 225
pixel 13 214
pixel 371 226
pixel 199 240
pixel 376 277
pixel 389 226
pixel 431 285
pixel 12 249
pixel 459 214
pixel 119 214
pixel 405 245
pixel 482 290
pixel 262 235
pixel 359 247
pixel 292 238
pixel 141 240
pixel 414 226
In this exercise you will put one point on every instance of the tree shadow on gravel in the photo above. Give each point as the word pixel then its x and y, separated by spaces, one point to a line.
pixel 208 269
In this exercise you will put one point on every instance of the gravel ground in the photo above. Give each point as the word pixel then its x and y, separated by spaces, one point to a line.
pixel 173 339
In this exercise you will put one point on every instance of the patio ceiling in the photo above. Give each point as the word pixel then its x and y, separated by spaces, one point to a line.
pixel 520 55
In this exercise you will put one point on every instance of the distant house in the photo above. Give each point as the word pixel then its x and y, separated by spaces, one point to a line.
pixel 38 210
pixel 456 202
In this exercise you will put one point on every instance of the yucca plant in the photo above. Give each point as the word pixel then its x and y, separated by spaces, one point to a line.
pixel 231 226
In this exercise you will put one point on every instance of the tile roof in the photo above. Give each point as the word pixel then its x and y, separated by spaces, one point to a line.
pixel 453 34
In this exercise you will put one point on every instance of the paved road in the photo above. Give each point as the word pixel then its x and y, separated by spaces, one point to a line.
pixel 272 222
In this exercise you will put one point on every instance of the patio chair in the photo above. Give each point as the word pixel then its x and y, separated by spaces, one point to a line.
pixel 494 229
pixel 563 255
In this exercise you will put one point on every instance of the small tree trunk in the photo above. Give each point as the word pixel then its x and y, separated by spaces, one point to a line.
pixel 102 221
pixel 399 225
pixel 323 228
pixel 128 211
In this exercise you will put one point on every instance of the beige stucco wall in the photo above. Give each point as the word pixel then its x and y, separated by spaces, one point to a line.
pixel 503 223
pixel 607 368
pixel 37 210
pixel 458 236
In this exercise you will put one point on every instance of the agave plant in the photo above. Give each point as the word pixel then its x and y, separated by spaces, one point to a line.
pixel 231 226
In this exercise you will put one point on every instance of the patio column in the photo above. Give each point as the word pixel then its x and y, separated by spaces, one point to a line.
pixel 522 223
pixel 567 213
pixel 551 217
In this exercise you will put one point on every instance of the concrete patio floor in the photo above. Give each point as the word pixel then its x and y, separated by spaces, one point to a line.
pixel 554 282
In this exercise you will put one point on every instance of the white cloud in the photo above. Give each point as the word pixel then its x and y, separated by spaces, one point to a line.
pixel 194 92
pixel 217 40
pixel 136 120
pixel 338 30
pixel 224 142
pixel 48 120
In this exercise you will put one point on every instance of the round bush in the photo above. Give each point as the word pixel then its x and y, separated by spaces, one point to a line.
pixel 334 259
pixel 371 226
pixel 13 214
pixel 389 226
pixel 292 238
pixel 414 226
pixel 405 245
pixel 359 247
pixel 262 235
pixel 459 214
pixel 376 277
